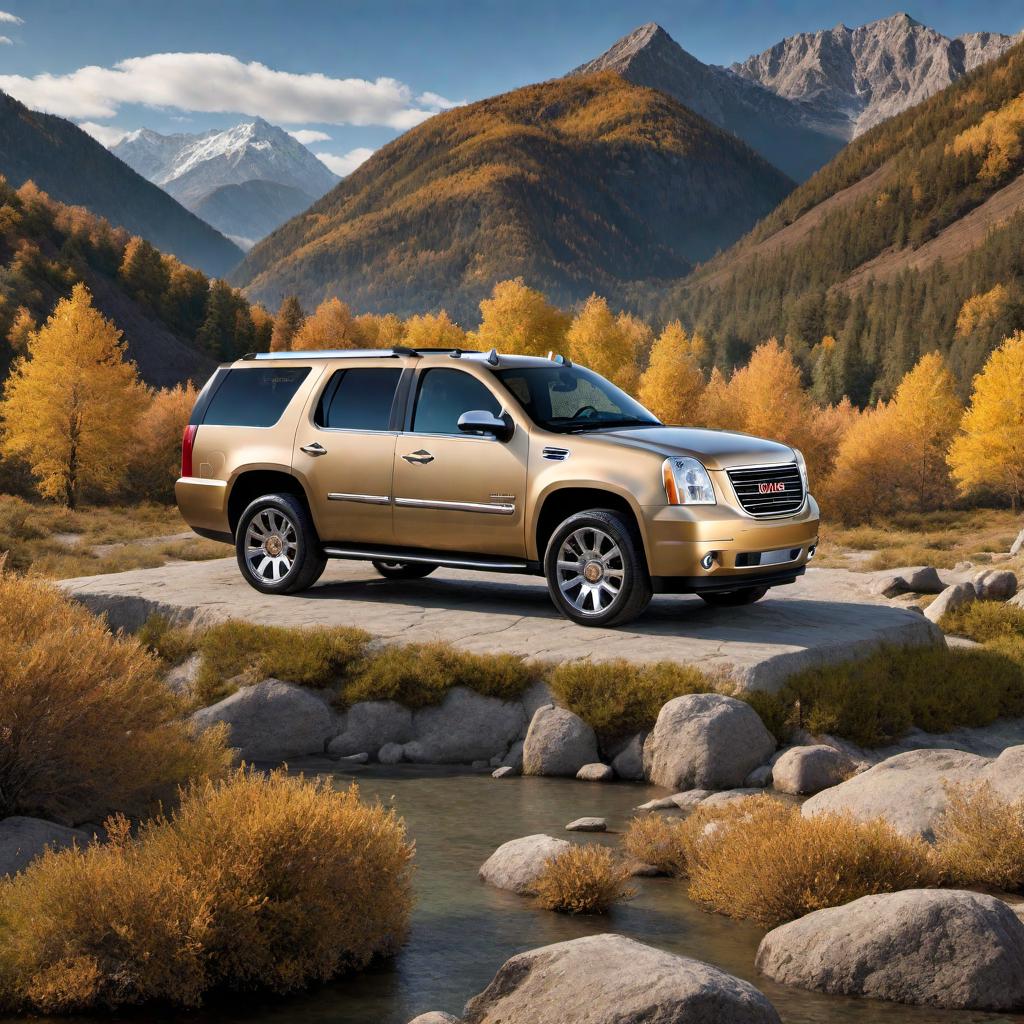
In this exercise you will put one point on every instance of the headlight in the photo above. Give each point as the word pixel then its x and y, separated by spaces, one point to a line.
pixel 687 482
pixel 802 466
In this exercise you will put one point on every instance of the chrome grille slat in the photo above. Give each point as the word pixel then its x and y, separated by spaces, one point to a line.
pixel 747 482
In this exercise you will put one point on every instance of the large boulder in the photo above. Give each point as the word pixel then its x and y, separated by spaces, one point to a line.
pixel 810 769
pixel 706 741
pixel 629 761
pixel 950 949
pixel 24 839
pixel 558 743
pixel 1006 774
pixel 465 727
pixel 609 979
pixel 272 721
pixel 369 725
pixel 950 600
pixel 908 790
pixel 516 865
pixel 995 585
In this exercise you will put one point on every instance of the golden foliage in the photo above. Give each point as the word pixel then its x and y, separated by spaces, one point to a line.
pixel 375 331
pixel 998 136
pixel 583 880
pixel 156 446
pixel 433 330
pixel 255 882
pixel 329 327
pixel 982 310
pixel 70 404
pixel 88 726
pixel 657 840
pixel 22 329
pixel 672 384
pixel 520 319
pixel 287 323
pixel 608 345
pixel 761 859
pixel 989 450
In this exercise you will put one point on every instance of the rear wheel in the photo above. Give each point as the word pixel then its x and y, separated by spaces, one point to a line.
pixel 735 598
pixel 404 570
pixel 595 568
pixel 277 547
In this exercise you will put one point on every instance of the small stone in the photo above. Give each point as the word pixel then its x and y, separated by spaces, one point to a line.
pixel 641 869
pixel 950 600
pixel 759 778
pixel 889 585
pixel 924 580
pixel 587 825
pixel 661 803
pixel 688 801
pixel 435 1017
pixel 517 864
pixel 810 769
pixel 595 772
pixel 504 772
pixel 995 585
pixel 391 753
pixel 1018 545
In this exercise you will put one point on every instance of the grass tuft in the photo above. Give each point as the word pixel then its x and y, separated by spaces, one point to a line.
pixel 583 880
pixel 985 620
pixel 658 841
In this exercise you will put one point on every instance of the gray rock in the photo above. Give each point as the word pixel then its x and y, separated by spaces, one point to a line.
pixel 595 772
pixel 759 778
pixel 661 803
pixel 272 721
pixel 908 790
pixel 24 839
pixel 480 765
pixel 640 869
pixel 537 695
pixel 361 758
pixel 181 677
pixel 558 743
pixel 504 772
pixel 587 825
pixel 889 585
pixel 514 758
pixel 916 579
pixel 1006 774
pixel 949 949
pixel 950 600
pixel 628 763
pixel 609 979
pixel 995 585
pixel 371 724
pixel 690 799
pixel 730 796
pixel 516 865
pixel 1018 601
pixel 803 770
pixel 466 726
pixel 1018 545
pixel 706 740
pixel 435 1017
pixel 391 753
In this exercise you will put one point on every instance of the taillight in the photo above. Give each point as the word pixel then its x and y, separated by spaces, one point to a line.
pixel 188 439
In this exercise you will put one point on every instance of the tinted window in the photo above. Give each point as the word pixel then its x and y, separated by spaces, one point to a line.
pixel 358 399
pixel 444 395
pixel 254 397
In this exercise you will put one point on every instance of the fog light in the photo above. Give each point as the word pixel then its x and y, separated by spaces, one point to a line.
pixel 708 560
pixel 810 551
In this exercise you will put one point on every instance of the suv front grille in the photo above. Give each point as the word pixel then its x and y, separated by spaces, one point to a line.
pixel 769 490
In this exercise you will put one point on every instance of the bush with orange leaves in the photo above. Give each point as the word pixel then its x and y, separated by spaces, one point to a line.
pixel 583 880
pixel 155 461
pixel 253 883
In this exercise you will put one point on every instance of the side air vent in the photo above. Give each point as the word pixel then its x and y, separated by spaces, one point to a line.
pixel 555 454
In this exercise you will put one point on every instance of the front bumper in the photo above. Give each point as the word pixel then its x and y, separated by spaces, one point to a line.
pixel 678 537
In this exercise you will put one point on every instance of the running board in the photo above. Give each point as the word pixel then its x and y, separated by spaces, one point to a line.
pixel 440 558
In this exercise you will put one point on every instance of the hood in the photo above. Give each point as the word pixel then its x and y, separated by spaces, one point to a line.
pixel 716 449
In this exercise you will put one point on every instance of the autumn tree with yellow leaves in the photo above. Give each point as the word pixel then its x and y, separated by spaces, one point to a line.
pixel 156 447
pixel 329 327
pixel 433 330
pixel 598 340
pixel 288 322
pixel 520 319
pixel 21 331
pixel 989 450
pixel 374 330
pixel 672 384
pixel 71 404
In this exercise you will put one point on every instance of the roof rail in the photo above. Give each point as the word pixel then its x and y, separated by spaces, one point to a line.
pixel 352 353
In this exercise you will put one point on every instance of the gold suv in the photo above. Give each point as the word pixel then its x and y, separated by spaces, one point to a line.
pixel 414 459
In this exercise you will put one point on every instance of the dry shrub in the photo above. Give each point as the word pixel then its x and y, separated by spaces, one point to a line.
pixel 985 620
pixel 761 859
pixel 418 675
pixel 254 883
pixel 87 727
pixel 658 841
pixel 583 880
pixel 980 839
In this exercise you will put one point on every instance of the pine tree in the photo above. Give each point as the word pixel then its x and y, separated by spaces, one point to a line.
pixel 672 384
pixel 69 405
pixel 143 272
pixel 287 323
pixel 217 335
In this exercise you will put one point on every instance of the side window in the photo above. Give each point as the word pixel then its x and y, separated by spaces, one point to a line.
pixel 358 399
pixel 444 395
pixel 254 397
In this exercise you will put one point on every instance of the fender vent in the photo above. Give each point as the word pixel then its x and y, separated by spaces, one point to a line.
pixel 555 454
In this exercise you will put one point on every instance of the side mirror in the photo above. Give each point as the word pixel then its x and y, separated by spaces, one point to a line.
pixel 479 421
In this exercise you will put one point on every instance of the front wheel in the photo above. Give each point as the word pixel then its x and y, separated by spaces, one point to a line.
pixel 277 547
pixel 404 570
pixel 735 598
pixel 595 568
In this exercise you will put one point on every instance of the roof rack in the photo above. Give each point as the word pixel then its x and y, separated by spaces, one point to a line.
pixel 354 353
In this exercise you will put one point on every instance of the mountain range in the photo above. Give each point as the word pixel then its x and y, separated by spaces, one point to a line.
pixel 74 168
pixel 244 180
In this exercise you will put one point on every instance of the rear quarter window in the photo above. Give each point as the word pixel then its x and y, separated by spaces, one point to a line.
pixel 254 396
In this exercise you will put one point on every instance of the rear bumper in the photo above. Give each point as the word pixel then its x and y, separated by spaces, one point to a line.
pixel 203 504
pixel 679 537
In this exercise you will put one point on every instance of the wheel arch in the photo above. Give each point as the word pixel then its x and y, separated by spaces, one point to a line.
pixel 555 505
pixel 251 484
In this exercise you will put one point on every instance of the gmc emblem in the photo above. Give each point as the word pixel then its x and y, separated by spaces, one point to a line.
pixel 773 488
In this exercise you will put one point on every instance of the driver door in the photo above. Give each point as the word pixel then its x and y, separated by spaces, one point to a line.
pixel 455 491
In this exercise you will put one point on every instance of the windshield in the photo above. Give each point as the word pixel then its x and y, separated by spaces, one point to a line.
pixel 572 398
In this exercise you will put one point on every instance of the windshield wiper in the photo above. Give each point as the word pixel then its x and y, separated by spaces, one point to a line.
pixel 606 425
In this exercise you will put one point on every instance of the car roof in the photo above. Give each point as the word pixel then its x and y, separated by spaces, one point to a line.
pixel 432 356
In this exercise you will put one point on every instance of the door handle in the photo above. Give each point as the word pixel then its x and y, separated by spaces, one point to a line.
pixel 420 458
pixel 316 448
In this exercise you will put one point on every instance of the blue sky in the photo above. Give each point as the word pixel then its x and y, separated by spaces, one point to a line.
pixel 358 73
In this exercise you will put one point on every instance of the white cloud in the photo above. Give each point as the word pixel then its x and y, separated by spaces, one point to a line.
pixel 220 83
pixel 345 165
pixel 105 133
pixel 308 135
pixel 6 41
pixel 11 19
pixel 432 99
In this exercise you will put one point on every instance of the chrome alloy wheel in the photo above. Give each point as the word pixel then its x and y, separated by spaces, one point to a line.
pixel 271 544
pixel 590 570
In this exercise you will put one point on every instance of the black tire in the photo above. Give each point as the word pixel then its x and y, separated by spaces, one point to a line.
pixel 634 589
pixel 735 598
pixel 404 570
pixel 284 519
